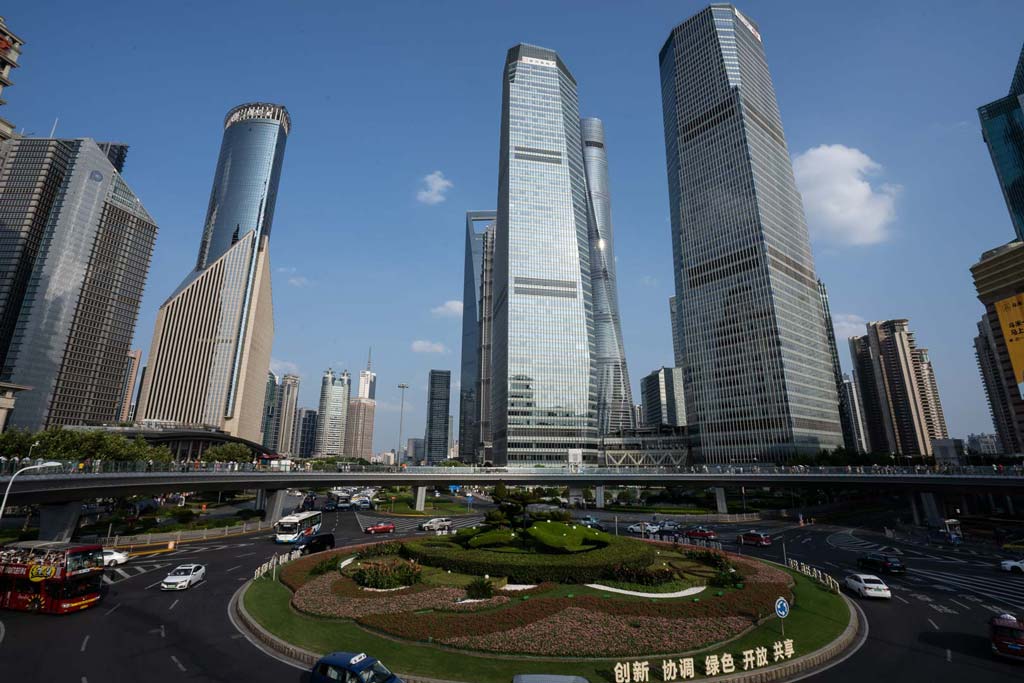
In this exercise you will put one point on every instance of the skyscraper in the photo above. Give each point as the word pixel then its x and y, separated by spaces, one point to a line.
pixel 614 394
pixel 270 412
pixel 285 419
pixel 756 368
pixel 368 379
pixel 305 433
pixel 845 412
pixel 477 224
pixel 544 395
pixel 10 50
pixel 359 428
pixel 898 390
pixel 131 373
pixel 211 346
pixel 677 341
pixel 1002 126
pixel 435 438
pixel 483 441
pixel 855 416
pixel 664 401
pixel 332 417
pixel 73 262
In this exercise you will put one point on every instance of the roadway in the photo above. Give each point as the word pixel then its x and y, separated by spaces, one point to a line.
pixel 933 629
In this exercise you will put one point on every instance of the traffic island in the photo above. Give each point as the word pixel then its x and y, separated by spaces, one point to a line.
pixel 439 609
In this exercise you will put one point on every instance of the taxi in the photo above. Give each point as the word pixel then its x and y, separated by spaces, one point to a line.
pixel 349 667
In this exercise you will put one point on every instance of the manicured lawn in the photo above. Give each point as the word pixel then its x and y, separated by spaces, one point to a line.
pixel 816 619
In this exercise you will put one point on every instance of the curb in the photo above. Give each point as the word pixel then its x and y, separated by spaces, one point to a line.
pixel 833 653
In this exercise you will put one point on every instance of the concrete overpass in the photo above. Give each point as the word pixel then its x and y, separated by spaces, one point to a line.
pixel 61 495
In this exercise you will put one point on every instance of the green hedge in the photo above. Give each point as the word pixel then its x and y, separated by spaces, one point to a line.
pixel 587 567
pixel 563 538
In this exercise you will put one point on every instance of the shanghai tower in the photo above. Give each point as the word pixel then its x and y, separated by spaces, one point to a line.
pixel 211 346
pixel 756 367
pixel 614 395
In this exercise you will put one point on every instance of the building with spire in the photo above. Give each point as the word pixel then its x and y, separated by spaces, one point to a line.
pixel 213 336
pixel 361 410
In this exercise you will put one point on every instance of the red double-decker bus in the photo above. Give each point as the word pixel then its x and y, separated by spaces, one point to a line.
pixel 51 577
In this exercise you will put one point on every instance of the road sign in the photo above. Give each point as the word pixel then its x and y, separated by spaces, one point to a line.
pixel 782 608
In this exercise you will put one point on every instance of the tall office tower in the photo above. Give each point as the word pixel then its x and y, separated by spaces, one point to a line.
pixel 305 433
pixel 1002 126
pixel 664 401
pixel 544 398
pixel 614 395
pixel 368 379
pixel 213 335
pixel 477 224
pixel 285 419
pixel 855 416
pixel 332 417
pixel 482 445
pixel 759 381
pixel 131 373
pixel 76 248
pixel 10 50
pixel 268 427
pixel 138 394
pixel 999 282
pixel 435 438
pixel 928 389
pixel 638 413
pixel 889 371
pixel 845 412
pixel 414 450
pixel 677 342
pixel 359 430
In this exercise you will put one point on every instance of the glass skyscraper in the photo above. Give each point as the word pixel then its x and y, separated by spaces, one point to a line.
pixel 332 416
pixel 477 223
pixel 438 428
pixel 756 367
pixel 544 395
pixel 614 394
pixel 1002 126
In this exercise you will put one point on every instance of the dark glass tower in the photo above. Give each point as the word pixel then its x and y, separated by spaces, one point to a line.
pixel 477 223
pixel 757 374
pixel 435 437
pixel 1002 126
pixel 845 411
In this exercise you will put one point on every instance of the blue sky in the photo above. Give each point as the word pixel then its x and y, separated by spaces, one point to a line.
pixel 384 94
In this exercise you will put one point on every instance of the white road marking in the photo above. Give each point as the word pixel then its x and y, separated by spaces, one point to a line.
pixel 172 605
pixel 180 667
pixel 85 680
pixel 832 564
pixel 111 610
pixel 934 625
pixel 949 655
pixel 123 573
pixel 905 602
pixel 3 631
pixel 85 641
pixel 959 604
pixel 234 568
pixel 153 584
pixel 244 555
pixel 163 633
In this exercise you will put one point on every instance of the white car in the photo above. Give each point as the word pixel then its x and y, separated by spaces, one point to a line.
pixel 436 524
pixel 1013 566
pixel 183 577
pixel 643 528
pixel 868 586
pixel 114 558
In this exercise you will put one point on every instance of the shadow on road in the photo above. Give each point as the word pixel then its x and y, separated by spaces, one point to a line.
pixel 959 643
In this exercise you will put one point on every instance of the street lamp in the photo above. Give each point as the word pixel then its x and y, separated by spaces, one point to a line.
pixel 401 414
pixel 24 469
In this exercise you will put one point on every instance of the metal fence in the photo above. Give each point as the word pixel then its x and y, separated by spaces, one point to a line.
pixel 192 535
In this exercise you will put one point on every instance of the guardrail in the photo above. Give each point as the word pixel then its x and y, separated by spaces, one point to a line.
pixel 191 535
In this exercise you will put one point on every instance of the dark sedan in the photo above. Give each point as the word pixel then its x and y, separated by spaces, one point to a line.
pixel 882 563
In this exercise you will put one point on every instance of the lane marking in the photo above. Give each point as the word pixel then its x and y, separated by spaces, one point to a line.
pixel 180 667
pixel 3 631
pixel 163 634
pixel 234 568
pixel 172 605
pixel 244 555
pixel 832 564
pixel 959 604
pixel 153 584
pixel 905 602
pixel 934 625
pixel 85 680
pixel 85 641
pixel 949 655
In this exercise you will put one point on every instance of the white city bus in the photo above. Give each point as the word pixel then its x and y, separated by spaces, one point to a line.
pixel 294 527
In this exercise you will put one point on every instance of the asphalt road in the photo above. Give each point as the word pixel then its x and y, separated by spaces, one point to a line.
pixel 933 629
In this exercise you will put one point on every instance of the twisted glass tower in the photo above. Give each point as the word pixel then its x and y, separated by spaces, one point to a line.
pixel 543 383
pixel 614 395
pixel 757 371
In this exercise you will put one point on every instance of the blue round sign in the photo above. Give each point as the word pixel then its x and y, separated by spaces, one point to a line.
pixel 782 608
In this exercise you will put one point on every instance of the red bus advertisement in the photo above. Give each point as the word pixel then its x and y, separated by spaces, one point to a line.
pixel 50 577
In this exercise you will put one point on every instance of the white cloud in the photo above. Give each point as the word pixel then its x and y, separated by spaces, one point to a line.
pixel 283 367
pixel 449 309
pixel 424 346
pixel 842 206
pixel 435 185
pixel 648 281
pixel 848 325
pixel 299 281
pixel 286 269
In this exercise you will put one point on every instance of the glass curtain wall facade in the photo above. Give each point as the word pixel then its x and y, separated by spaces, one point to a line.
pixel 332 417
pixel 845 421
pixel 757 373
pixel 544 381
pixel 437 433
pixel 1002 126
pixel 614 394
pixel 477 223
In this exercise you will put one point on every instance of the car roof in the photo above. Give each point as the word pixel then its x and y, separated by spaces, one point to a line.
pixel 343 659
pixel 867 576
pixel 186 566
pixel 1007 620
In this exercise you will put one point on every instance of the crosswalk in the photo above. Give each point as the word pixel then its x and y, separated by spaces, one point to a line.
pixel 114 575
pixel 1004 591
pixel 405 525
pixel 845 540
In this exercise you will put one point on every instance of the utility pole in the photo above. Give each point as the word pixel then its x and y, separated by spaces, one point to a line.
pixel 401 415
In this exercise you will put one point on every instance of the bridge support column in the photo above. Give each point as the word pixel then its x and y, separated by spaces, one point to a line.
pixel 964 509
pixel 599 497
pixel 272 503
pixel 913 509
pixel 932 514
pixel 1009 505
pixel 60 521
pixel 720 504
pixel 421 498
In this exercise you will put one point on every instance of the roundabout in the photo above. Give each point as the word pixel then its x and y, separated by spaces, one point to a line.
pixel 487 604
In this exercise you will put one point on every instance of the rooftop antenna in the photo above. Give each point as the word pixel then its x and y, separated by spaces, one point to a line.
pixel 369 358
pixel 53 131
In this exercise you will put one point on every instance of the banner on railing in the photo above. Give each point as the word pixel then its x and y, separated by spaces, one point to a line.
pixel 816 574
pixel 274 562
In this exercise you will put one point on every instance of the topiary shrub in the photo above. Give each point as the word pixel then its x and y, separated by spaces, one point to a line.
pixel 494 537
pixel 554 537
pixel 324 566
pixel 386 575
pixel 480 589
pixel 381 549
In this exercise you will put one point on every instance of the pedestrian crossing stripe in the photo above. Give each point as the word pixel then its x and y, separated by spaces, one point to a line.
pixel 407 524
pixel 1004 591
pixel 117 574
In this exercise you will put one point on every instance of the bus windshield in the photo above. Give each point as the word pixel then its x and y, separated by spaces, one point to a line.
pixel 287 527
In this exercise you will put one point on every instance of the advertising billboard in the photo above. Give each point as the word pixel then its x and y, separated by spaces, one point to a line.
pixel 1011 319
